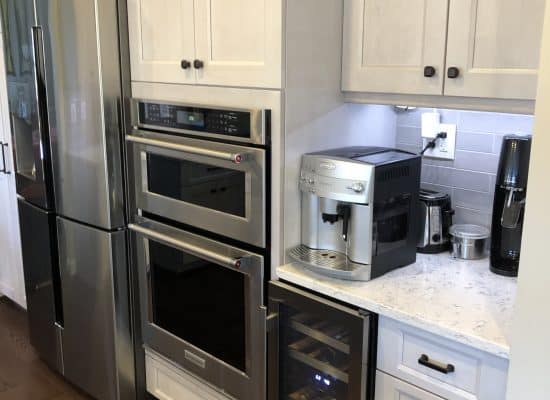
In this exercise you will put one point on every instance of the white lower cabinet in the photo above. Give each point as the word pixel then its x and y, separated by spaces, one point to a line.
pixel 166 381
pixel 390 388
pixel 437 365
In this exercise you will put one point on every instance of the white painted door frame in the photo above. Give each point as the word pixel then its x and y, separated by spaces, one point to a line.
pixel 530 346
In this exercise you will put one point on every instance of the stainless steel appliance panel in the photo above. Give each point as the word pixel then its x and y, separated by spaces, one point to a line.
pixel 317 348
pixel 177 285
pixel 83 94
pixel 213 186
pixel 96 338
pixel 38 241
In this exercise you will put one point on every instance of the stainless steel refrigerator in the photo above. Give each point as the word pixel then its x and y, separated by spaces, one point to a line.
pixel 65 94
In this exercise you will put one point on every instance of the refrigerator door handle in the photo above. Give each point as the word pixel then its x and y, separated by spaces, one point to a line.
pixel 4 163
pixel 3 169
pixel 40 79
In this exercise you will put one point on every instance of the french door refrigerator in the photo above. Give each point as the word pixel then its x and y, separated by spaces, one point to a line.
pixel 65 95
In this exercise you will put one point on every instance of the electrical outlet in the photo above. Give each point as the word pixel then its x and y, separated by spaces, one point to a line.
pixel 444 148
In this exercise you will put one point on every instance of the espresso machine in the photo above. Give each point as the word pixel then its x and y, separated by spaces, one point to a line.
pixel 509 204
pixel 359 211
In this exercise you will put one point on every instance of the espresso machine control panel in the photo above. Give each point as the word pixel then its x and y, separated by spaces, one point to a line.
pixel 337 179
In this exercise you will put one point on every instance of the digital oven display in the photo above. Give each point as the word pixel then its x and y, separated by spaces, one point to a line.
pixel 190 118
pixel 196 119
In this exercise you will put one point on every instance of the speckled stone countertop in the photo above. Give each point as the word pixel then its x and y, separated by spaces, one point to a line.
pixel 456 299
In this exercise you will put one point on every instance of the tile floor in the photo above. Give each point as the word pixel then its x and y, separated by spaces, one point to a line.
pixel 22 375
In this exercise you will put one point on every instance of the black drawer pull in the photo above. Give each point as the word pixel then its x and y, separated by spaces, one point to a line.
pixel 437 366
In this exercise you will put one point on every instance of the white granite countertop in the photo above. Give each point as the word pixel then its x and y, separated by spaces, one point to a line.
pixel 456 299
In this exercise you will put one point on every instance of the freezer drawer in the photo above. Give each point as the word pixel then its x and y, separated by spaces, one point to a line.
pixel 317 348
pixel 96 339
pixel 38 242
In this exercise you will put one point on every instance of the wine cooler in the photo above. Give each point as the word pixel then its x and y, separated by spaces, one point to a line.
pixel 318 349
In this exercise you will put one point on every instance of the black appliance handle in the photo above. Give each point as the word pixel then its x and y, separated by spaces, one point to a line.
pixel 40 82
pixel 435 365
pixel 4 164
pixel 448 216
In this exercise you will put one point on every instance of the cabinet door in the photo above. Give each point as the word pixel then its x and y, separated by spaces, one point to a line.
pixel 389 43
pixel 390 388
pixel 239 42
pixel 161 37
pixel 495 44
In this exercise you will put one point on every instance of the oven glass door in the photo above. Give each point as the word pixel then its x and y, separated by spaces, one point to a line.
pixel 201 305
pixel 213 186
pixel 198 302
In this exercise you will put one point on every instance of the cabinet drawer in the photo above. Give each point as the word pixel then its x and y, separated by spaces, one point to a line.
pixel 166 381
pixel 390 388
pixel 440 366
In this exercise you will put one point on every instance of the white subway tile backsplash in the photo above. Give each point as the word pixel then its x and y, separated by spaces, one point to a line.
pixel 470 177
pixel 473 200
pixel 456 178
pixel 475 142
pixel 478 121
pixel 514 124
pixel 470 216
pixel 474 161
pixel 436 175
pixel 410 135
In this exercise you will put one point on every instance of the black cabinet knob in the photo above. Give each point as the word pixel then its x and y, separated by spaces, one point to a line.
pixel 198 64
pixel 185 64
pixel 453 73
pixel 429 71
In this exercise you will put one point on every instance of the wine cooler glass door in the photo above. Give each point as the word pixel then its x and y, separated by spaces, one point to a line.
pixel 322 347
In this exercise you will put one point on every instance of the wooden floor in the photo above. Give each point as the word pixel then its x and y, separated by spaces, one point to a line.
pixel 22 375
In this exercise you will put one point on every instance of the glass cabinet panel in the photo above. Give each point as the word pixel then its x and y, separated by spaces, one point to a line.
pixel 315 357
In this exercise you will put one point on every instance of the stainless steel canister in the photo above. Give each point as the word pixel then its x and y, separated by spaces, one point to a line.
pixel 469 242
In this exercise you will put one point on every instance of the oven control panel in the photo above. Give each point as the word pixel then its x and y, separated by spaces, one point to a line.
pixel 196 119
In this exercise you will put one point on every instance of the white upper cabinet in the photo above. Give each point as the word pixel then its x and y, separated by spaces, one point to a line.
pixel 495 46
pixel 209 42
pixel 394 46
pixel 239 42
pixel 162 37
pixel 462 48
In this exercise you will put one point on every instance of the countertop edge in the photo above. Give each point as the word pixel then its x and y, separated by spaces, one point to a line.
pixel 475 342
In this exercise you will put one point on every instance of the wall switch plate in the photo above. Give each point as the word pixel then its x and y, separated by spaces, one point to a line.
pixel 444 148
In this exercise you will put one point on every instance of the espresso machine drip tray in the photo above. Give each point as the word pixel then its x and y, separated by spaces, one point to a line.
pixel 331 263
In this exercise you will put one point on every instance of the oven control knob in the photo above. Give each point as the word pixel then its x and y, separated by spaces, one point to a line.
pixel 357 187
pixel 310 180
pixel 436 238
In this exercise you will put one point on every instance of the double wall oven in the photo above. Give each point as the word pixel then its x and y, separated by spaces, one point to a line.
pixel 200 177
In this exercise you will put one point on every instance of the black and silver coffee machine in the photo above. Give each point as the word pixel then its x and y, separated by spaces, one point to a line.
pixel 359 211
pixel 509 204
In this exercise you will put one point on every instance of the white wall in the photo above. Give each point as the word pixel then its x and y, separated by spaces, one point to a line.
pixel 529 376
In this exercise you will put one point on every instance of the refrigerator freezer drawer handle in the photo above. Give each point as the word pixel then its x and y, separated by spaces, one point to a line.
pixel 236 158
pixel 230 262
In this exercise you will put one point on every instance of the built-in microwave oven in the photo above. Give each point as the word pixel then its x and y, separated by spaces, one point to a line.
pixel 204 167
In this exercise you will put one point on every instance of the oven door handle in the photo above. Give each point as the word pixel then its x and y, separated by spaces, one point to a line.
pixel 230 262
pixel 236 158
